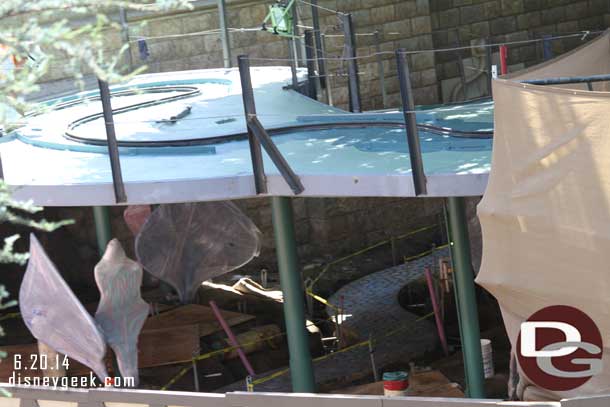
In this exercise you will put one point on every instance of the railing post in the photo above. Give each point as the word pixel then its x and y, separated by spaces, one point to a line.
pixel 408 107
pixel 352 65
pixel 311 68
pixel 465 292
pixel 256 153
pixel 329 86
pixel 293 64
pixel 384 95
pixel 488 63
pixel 547 47
pixel 113 148
pixel 318 38
pixel 257 136
pixel 125 35
pixel 301 368
pixel 224 33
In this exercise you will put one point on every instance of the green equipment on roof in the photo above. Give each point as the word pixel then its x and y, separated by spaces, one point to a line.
pixel 281 16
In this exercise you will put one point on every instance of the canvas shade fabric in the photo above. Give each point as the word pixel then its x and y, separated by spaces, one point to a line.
pixel 545 215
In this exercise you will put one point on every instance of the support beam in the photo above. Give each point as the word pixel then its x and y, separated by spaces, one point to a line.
pixel 465 291
pixel 103 230
pixel 381 73
pixel 315 18
pixel 408 108
pixel 301 368
pixel 113 147
pixel 256 153
pixel 125 36
pixel 353 84
pixel 224 33
pixel 489 63
pixel 311 65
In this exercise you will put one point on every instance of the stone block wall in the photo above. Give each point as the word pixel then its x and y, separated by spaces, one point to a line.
pixel 401 24
pixel 415 25
pixel 467 22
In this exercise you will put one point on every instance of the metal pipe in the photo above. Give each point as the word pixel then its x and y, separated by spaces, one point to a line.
pixel 503 58
pixel 318 38
pixel 562 80
pixel 103 228
pixel 299 46
pixel 381 73
pixel 224 33
pixel 372 358
pixel 125 35
pixel 352 64
pixel 547 47
pixel 455 294
pixel 293 64
pixel 488 62
pixel 311 65
pixel 232 338
pixel 256 153
pixel 408 107
pixel 301 368
pixel 437 313
pixel 113 148
pixel 465 290
pixel 255 127
pixel 329 87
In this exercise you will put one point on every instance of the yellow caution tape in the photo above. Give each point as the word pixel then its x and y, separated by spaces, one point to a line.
pixel 322 300
pixel 366 249
pixel 422 254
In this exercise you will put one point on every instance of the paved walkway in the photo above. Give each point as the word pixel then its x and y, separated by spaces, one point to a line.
pixel 372 303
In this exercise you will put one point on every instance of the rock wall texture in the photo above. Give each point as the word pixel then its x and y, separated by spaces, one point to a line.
pixel 466 22
pixel 187 40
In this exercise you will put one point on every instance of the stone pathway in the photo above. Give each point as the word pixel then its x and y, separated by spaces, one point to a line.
pixel 372 303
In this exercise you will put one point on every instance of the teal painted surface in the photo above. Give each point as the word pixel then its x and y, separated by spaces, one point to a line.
pixel 43 155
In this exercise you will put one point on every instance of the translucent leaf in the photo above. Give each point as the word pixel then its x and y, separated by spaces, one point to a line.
pixel 55 316
pixel 122 311
pixel 186 244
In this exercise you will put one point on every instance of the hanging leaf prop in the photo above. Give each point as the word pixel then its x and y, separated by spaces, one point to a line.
pixel 55 316
pixel 122 311
pixel 186 244
pixel 135 216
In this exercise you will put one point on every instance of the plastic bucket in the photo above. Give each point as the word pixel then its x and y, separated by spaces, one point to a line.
pixel 395 384
pixel 488 362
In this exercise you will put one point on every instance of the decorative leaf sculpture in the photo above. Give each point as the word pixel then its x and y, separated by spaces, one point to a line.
pixel 135 216
pixel 186 244
pixel 122 311
pixel 55 316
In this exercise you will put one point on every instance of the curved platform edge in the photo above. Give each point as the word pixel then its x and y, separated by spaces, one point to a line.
pixel 241 187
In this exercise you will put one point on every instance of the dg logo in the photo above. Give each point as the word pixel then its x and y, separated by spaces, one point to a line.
pixel 559 348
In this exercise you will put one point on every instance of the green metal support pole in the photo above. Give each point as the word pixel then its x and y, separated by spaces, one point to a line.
pixel 103 232
pixel 457 299
pixel 465 290
pixel 301 368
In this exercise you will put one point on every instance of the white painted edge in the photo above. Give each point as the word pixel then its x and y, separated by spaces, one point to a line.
pixel 240 187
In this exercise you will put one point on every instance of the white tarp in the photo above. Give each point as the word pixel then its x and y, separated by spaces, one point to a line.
pixel 545 215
